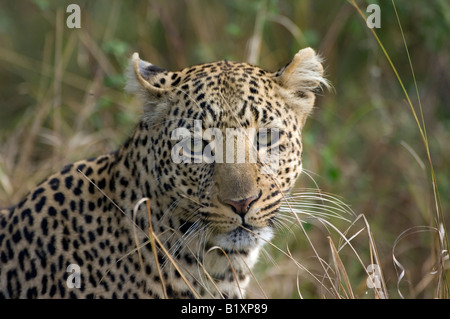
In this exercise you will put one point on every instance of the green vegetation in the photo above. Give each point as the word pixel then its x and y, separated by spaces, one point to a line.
pixel 61 93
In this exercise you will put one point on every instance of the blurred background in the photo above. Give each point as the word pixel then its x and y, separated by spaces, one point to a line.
pixel 62 100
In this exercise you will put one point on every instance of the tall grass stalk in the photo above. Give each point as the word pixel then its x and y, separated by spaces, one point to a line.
pixel 442 238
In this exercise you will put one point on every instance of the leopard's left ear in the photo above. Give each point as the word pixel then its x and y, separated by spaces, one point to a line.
pixel 299 79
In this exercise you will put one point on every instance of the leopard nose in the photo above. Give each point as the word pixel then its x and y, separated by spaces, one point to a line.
pixel 242 206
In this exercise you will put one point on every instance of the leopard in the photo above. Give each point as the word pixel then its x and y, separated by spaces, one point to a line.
pixel 157 218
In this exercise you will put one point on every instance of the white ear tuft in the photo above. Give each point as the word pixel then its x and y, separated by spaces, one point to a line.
pixel 132 83
pixel 304 72
pixel 299 79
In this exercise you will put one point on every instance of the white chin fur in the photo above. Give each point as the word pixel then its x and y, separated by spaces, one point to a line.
pixel 240 239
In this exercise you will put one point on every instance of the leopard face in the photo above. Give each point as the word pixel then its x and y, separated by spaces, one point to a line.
pixel 219 107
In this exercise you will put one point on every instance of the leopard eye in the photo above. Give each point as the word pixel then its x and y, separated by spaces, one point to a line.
pixel 193 146
pixel 267 137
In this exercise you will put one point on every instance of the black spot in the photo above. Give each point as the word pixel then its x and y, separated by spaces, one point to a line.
pixel 77 191
pixel 20 205
pixel 39 205
pixel 185 226
pixel 144 140
pixel 177 81
pixel 59 197
pixel 65 243
pixel 188 258
pixel 22 255
pixel 89 171
pixel 51 246
pixel 52 291
pixel 77 258
pixel 73 205
pixel 54 184
pixel 91 236
pixel 91 189
pixel 81 206
pixel 37 192
pixel 44 282
pixel 52 211
pixel 123 182
pixel 28 235
pixel 187 294
pixel 10 251
pixel 92 280
pixel 101 159
pixel 66 169
pixel 27 214
pixel 62 289
pixel 11 277
pixel 112 184
pixel 17 236
pixel 151 70
pixel 100 230
pixel 32 273
pixel 102 184
pixel 102 169
pixel 32 293
pixel 198 87
pixel 44 227
pixel 68 181
pixel 88 219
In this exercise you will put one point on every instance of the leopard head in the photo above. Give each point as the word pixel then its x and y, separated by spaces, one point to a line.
pixel 225 142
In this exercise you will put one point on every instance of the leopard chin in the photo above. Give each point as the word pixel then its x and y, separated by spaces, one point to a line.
pixel 243 238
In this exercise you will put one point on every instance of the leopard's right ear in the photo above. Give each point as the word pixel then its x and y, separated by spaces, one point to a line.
pixel 299 79
pixel 147 81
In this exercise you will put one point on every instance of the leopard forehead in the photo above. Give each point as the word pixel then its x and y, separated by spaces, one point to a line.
pixel 240 73
pixel 221 95
pixel 219 89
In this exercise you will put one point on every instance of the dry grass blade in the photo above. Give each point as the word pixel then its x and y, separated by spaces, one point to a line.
pixel 437 270
pixel 231 266
pixel 208 276
pixel 136 240
pixel 153 240
pixel 381 290
pixel 167 254
pixel 443 285
pixel 340 271
pixel 152 243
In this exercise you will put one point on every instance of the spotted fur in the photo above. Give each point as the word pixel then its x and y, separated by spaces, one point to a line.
pixel 209 219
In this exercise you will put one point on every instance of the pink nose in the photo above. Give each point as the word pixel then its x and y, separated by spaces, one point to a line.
pixel 242 206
